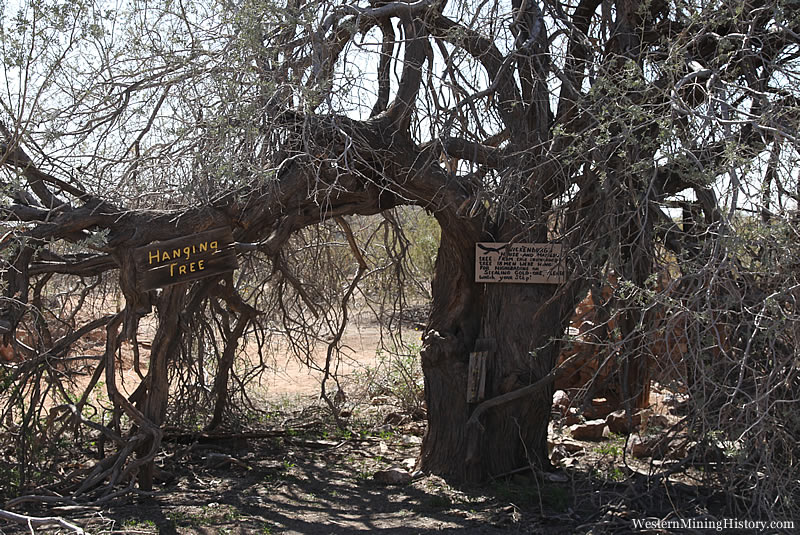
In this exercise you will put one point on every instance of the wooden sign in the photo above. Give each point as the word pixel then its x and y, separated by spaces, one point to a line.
pixel 532 263
pixel 185 259
pixel 476 376
pixel 476 372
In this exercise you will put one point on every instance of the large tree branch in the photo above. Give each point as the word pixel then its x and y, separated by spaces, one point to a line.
pixel 492 60
pixel 472 151
pixel 384 64
pixel 389 9
pixel 578 50
pixel 417 50
pixel 85 268
pixel 12 154
pixel 32 521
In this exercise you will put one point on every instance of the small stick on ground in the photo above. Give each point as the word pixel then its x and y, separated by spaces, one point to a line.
pixel 32 521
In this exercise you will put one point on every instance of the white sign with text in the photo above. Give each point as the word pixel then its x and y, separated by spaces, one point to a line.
pixel 532 263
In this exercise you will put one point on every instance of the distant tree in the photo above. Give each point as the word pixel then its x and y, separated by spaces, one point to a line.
pixel 585 123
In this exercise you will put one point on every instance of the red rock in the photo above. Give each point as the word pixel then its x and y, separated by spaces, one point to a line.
pixel 663 420
pixel 572 417
pixel 600 408
pixel 618 421
pixel 392 476
pixel 591 430
pixel 649 446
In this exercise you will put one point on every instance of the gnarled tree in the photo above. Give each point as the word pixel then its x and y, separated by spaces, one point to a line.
pixel 575 122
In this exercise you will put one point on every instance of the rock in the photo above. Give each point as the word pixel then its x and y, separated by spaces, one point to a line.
pixel 559 452
pixel 560 401
pixel 591 430
pixel 571 446
pixel 678 403
pixel 637 447
pixel 618 421
pixel 419 415
pixel 648 446
pixel 393 418
pixel 411 439
pixel 663 421
pixel 600 408
pixel 392 476
pixel 572 417
pixel 409 464
pixel 556 477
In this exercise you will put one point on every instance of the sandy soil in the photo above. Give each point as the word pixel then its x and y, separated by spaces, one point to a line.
pixel 286 376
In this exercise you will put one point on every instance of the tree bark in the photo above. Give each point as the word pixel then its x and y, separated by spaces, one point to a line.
pixel 224 369
pixel 515 434
pixel 521 320
pixel 165 344
pixel 453 327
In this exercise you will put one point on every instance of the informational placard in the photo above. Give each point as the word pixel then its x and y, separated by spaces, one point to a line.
pixel 532 263
pixel 185 259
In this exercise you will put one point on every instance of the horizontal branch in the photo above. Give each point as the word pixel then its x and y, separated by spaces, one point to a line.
pixel 391 9
pixel 472 151
pixel 21 212
pixel 85 268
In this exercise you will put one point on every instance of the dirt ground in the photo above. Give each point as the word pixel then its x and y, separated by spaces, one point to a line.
pixel 302 475
pixel 298 473
pixel 360 345
pixel 287 376
pixel 310 480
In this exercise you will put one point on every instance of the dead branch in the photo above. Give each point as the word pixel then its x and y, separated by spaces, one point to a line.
pixel 32 521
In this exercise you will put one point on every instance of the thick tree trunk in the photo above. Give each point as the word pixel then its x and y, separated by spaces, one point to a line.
pixel 637 265
pixel 453 327
pixel 165 344
pixel 521 322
